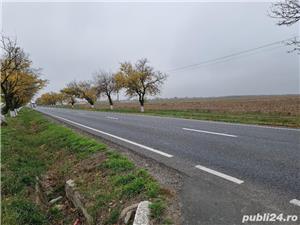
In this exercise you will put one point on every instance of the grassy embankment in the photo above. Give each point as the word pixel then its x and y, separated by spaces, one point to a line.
pixel 261 110
pixel 33 146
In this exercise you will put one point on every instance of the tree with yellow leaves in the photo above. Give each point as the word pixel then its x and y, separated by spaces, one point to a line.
pixel 140 80
pixel 84 90
pixel 19 81
pixel 27 85
pixel 69 95
pixel 50 98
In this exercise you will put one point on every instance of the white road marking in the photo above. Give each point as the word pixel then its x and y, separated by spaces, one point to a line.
pixel 116 137
pixel 224 176
pixel 112 118
pixel 295 202
pixel 209 132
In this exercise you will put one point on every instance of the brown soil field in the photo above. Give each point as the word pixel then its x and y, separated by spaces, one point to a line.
pixel 281 105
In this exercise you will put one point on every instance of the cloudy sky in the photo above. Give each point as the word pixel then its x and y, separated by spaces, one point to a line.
pixel 72 40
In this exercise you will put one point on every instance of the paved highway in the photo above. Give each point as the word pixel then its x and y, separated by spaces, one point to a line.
pixel 231 169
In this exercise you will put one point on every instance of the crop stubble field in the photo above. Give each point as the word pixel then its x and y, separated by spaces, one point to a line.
pixel 284 105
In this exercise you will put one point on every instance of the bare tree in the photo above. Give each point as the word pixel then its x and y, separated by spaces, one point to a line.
pixel 105 84
pixel 140 80
pixel 295 44
pixel 288 13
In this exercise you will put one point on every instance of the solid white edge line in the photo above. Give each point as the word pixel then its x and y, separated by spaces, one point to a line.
pixel 210 132
pixel 295 202
pixel 117 137
pixel 222 175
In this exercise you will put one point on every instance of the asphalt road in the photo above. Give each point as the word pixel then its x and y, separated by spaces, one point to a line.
pixel 231 170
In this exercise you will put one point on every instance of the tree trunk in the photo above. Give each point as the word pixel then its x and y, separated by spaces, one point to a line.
pixel 3 121
pixel 12 113
pixel 8 104
pixel 141 100
pixel 110 102
pixel 142 105
pixel 5 109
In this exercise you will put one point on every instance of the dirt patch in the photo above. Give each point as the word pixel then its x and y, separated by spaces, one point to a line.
pixel 89 164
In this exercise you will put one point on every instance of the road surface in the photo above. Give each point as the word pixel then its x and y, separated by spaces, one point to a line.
pixel 232 170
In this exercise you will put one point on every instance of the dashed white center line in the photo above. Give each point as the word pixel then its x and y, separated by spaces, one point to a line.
pixel 209 132
pixel 112 118
pixel 295 202
pixel 222 175
pixel 114 136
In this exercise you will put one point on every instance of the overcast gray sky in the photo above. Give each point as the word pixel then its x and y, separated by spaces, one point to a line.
pixel 71 40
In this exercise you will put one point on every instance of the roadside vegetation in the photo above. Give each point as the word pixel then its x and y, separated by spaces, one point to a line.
pixel 32 146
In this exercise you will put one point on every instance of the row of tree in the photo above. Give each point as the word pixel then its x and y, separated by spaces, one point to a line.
pixel 19 80
pixel 138 80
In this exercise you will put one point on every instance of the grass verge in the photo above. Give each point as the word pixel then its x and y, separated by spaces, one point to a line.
pixel 33 146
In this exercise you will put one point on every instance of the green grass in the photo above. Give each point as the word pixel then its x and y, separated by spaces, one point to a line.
pixel 119 185
pixel 114 216
pixel 274 119
pixel 29 146
pixel 136 182
pixel 157 209
pixel 32 145
pixel 18 210
pixel 117 163
pixel 258 118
